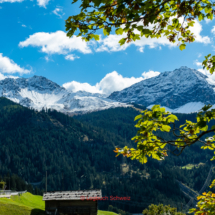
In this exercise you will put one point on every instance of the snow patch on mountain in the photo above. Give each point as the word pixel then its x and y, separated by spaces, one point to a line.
pixel 38 92
pixel 190 107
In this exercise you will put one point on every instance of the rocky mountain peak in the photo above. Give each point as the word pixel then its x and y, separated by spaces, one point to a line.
pixel 171 89
pixel 39 92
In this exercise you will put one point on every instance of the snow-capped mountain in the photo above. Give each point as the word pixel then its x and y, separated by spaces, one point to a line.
pixel 38 92
pixel 183 90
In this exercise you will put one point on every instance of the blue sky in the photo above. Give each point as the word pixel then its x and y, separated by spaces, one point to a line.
pixel 33 42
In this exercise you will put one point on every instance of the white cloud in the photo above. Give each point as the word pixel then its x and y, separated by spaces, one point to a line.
pixel 75 86
pixel 207 20
pixel 199 55
pixel 141 49
pixel 48 58
pixel 58 11
pixel 111 82
pixel 111 43
pixel 9 66
pixel 11 1
pixel 24 26
pixel 213 30
pixel 56 43
pixel 116 82
pixel 197 63
pixel 150 74
pixel 71 57
pixel 2 77
pixel 196 29
pixel 42 3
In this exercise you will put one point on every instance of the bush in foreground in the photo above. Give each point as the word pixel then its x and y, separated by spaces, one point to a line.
pixel 161 210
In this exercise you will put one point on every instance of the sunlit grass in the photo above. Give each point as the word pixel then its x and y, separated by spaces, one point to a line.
pixel 105 213
pixel 191 166
pixel 25 204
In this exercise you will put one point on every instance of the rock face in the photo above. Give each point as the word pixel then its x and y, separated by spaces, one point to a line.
pixel 38 92
pixel 170 89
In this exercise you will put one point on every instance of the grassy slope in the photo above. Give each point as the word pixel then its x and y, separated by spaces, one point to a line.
pixel 106 213
pixel 191 166
pixel 28 204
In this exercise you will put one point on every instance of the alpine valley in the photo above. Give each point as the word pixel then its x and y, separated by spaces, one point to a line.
pixel 77 152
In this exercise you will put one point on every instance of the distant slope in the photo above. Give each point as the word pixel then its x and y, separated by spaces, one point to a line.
pixel 118 120
pixel 32 142
pixel 171 89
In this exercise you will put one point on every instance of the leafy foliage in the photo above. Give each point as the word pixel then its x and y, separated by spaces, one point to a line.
pixel 150 144
pixel 206 203
pixel 142 18
pixel 14 182
pixel 160 210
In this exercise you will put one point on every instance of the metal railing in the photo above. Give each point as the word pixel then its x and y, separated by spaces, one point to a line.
pixel 11 192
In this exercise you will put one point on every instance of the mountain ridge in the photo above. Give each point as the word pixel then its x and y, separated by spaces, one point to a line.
pixel 170 89
pixel 39 92
pixel 182 90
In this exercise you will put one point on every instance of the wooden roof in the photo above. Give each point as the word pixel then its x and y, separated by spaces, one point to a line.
pixel 72 195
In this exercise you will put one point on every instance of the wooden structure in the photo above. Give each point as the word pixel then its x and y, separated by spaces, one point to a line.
pixel 78 202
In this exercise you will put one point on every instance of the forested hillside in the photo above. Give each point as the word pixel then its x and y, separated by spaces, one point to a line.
pixel 79 155
pixel 121 122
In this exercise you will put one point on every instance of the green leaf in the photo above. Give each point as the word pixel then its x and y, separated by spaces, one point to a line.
pixel 122 41
pixel 204 128
pixel 139 28
pixel 143 159
pixel 210 16
pixel 173 117
pixel 206 107
pixel 162 109
pixel 145 32
pixel 202 124
pixel 201 17
pixel 105 32
pixel 208 9
pixel 97 2
pixel 119 31
pixel 136 37
pixel 182 47
pixel 137 117
pixel 96 37
pixel 165 128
